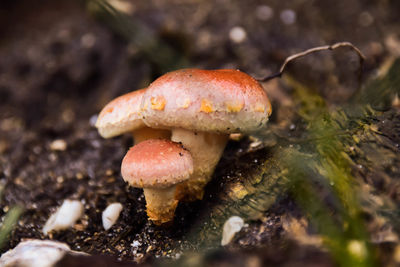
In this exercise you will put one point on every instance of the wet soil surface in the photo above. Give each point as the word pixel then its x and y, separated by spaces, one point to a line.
pixel 60 64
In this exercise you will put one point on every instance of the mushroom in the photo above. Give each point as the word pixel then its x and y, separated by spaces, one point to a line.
pixel 201 108
pixel 158 166
pixel 122 115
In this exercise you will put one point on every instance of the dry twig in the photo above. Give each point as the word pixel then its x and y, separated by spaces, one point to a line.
pixel 317 49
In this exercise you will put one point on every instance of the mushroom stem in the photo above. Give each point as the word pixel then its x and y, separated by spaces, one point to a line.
pixel 146 133
pixel 160 203
pixel 206 150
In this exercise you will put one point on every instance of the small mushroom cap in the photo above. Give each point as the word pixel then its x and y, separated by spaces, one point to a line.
pixel 156 163
pixel 121 115
pixel 223 101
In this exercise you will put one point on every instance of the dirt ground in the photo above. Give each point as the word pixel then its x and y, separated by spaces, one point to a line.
pixel 62 61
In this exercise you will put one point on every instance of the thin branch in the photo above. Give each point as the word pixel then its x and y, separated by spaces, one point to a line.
pixel 317 49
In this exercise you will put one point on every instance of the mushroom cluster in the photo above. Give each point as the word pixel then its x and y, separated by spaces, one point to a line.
pixel 197 109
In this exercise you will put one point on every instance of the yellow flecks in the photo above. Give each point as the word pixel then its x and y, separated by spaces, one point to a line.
pixel 109 110
pixel 186 103
pixel 206 106
pixel 374 128
pixel 259 107
pixel 238 191
pixel 234 107
pixel 145 106
pixel 158 103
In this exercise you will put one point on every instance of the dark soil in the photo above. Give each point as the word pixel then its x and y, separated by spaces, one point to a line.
pixel 61 63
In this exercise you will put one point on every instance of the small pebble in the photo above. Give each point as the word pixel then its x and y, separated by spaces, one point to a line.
pixel 255 144
pixel 236 136
pixel 110 215
pixel 233 225
pixel 237 34
pixel 288 16
pixel 88 40
pixel 65 216
pixel 33 253
pixel 60 179
pixel 365 19
pixel 92 120
pixel 58 145
pixel 357 248
pixel 396 101
pixel 264 12
pixel 136 244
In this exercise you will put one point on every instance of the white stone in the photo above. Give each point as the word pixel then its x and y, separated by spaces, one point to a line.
pixel 58 145
pixel 93 120
pixel 88 40
pixel 264 12
pixel 136 244
pixel 233 225
pixel 65 216
pixel 365 19
pixel 357 248
pixel 110 215
pixel 237 34
pixel 288 16
pixel 34 253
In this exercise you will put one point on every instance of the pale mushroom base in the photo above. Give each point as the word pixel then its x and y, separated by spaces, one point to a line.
pixel 206 150
pixel 161 204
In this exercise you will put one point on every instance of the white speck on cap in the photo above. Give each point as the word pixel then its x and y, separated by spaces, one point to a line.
pixel 237 34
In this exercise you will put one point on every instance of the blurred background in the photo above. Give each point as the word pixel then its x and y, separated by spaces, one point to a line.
pixel 62 61
pixel 88 53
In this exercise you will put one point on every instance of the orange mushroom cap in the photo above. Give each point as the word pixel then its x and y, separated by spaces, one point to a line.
pixel 156 163
pixel 222 101
pixel 121 115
